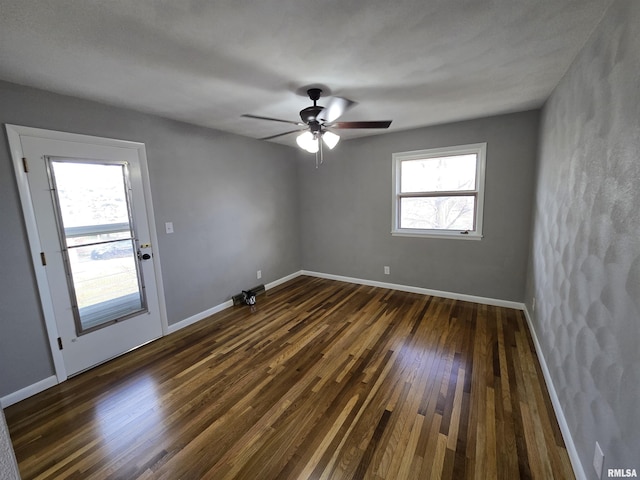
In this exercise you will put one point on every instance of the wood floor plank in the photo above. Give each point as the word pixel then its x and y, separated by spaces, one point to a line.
pixel 322 379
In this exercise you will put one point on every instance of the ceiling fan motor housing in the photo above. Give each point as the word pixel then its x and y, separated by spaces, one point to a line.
pixel 310 114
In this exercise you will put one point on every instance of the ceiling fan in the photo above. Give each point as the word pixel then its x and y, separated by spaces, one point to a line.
pixel 319 121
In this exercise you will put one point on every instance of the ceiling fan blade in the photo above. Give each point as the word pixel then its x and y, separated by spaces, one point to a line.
pixel 335 109
pixel 272 119
pixel 280 135
pixel 372 124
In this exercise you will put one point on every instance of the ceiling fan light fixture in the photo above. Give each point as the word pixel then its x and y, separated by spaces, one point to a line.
pixel 330 139
pixel 307 141
pixel 313 146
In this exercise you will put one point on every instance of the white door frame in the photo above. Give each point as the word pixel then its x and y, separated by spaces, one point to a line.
pixel 14 132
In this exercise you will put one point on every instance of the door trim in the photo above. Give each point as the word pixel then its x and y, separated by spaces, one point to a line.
pixel 14 133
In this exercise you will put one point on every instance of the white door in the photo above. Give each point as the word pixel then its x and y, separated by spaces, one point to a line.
pixel 93 249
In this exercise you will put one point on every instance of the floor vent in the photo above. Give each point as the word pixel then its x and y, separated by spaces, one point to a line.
pixel 239 299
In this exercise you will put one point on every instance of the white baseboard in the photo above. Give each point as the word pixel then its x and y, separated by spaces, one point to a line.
pixel 578 470
pixel 174 327
pixel 28 391
pixel 423 291
pixel 282 280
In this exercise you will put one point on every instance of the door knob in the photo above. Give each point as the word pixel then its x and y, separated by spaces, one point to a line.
pixel 144 256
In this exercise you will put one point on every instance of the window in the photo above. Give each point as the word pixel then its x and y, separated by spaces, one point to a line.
pixel 439 192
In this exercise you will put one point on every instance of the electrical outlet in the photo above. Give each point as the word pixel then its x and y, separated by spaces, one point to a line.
pixel 386 270
pixel 598 460
pixel 259 274
pixel 533 304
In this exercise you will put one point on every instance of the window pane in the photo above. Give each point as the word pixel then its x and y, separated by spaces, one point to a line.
pixel 91 194
pixel 439 213
pixel 105 278
pixel 438 174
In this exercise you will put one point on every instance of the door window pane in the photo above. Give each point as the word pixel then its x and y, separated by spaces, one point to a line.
pixel 91 194
pixel 104 277
pixel 105 281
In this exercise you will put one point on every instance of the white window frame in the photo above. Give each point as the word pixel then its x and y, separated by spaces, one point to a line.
pixel 479 149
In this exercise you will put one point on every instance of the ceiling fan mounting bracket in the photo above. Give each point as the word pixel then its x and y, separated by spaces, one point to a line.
pixel 314 94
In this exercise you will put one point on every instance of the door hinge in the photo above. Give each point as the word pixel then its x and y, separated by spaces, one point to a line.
pixel 60 343
pixel 43 259
pixel 25 165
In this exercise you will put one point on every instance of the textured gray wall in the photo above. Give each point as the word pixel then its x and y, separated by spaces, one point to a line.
pixel 585 261
pixel 346 211
pixel 229 198
pixel 8 465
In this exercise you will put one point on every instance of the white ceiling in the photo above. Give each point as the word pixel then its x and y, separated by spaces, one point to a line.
pixel 207 62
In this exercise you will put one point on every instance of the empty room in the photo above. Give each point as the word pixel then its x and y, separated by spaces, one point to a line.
pixel 320 240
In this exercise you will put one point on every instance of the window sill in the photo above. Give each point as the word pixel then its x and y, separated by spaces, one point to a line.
pixel 444 235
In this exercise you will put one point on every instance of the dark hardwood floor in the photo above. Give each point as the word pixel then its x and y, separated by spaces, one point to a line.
pixel 324 380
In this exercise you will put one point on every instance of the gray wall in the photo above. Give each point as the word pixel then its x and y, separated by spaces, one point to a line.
pixel 229 198
pixel 346 211
pixel 585 259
